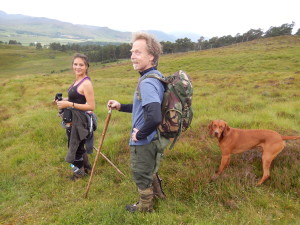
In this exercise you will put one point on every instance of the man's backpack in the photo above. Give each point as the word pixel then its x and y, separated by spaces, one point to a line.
pixel 177 113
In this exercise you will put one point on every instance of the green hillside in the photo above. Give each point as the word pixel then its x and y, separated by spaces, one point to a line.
pixel 27 29
pixel 250 85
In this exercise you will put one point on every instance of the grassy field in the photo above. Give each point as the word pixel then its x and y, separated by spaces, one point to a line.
pixel 250 85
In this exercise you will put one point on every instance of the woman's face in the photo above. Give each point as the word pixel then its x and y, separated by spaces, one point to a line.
pixel 79 67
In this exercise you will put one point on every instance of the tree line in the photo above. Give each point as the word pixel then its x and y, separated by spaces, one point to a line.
pixel 109 52
pixel 185 44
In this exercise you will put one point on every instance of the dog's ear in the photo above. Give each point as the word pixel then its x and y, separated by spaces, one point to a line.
pixel 209 127
pixel 226 129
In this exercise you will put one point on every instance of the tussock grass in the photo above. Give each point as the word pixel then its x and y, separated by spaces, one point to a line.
pixel 254 85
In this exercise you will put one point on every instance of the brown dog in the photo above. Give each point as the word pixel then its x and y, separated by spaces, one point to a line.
pixel 233 140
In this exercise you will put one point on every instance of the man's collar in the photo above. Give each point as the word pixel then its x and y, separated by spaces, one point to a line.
pixel 147 70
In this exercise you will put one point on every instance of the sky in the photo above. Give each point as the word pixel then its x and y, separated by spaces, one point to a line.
pixel 209 18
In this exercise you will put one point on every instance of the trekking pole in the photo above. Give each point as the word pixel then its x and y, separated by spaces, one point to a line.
pixel 99 149
pixel 110 162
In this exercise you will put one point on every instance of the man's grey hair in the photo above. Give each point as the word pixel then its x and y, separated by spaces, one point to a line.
pixel 153 46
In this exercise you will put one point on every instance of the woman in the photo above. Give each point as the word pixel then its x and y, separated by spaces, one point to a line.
pixel 80 98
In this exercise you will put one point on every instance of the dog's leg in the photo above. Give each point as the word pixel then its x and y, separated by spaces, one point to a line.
pixel 266 163
pixel 269 153
pixel 224 163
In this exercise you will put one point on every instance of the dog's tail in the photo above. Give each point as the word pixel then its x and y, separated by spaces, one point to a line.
pixel 290 137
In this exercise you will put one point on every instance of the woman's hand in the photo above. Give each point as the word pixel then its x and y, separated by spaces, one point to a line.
pixel 63 104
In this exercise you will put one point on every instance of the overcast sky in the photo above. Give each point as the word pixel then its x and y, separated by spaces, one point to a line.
pixel 207 18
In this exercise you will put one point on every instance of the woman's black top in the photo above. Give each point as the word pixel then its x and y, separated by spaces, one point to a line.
pixel 74 95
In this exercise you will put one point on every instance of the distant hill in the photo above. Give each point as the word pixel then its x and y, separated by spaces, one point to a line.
pixel 27 29
pixel 162 36
pixel 39 29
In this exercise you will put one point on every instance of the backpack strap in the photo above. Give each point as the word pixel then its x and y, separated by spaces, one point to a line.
pixel 155 75
pixel 151 75
pixel 178 134
pixel 174 140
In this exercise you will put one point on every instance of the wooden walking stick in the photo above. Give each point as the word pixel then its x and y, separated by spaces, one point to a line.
pixel 99 150
pixel 110 162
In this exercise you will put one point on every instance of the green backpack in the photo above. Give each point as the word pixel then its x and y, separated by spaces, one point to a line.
pixel 176 107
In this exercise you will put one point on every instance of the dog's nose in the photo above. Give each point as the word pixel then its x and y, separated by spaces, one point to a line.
pixel 216 132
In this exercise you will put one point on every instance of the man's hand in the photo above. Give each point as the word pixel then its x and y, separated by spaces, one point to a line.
pixel 133 135
pixel 113 104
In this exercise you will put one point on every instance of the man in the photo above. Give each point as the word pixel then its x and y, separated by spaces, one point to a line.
pixel 146 145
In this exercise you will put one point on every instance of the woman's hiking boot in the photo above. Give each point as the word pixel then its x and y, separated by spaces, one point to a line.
pixel 86 164
pixel 145 204
pixel 77 172
pixel 157 187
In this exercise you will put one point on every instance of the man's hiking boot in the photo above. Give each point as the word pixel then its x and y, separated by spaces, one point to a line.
pixel 145 204
pixel 132 208
pixel 157 187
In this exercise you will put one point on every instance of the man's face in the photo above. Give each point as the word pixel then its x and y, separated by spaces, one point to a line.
pixel 140 58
